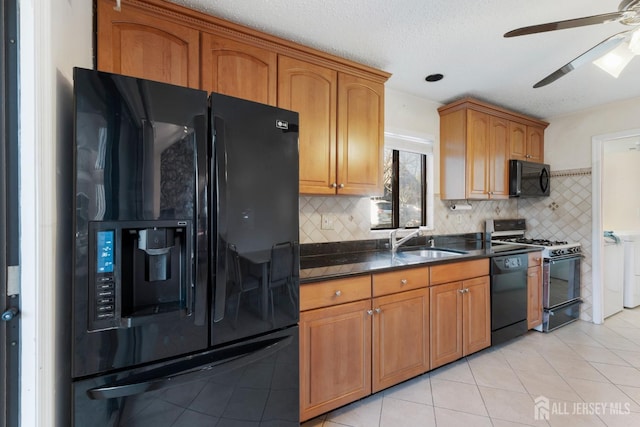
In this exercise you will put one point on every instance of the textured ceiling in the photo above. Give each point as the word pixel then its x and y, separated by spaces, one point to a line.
pixel 462 39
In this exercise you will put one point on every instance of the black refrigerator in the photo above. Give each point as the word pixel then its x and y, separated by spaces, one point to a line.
pixel 185 292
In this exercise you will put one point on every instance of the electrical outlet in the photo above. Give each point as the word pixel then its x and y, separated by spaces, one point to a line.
pixel 459 219
pixel 327 221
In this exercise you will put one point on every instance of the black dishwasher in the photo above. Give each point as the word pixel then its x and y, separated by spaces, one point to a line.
pixel 508 297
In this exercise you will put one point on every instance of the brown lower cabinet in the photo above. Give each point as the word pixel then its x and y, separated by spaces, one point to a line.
pixel 335 357
pixel 400 337
pixel 534 290
pixel 349 350
pixel 360 335
pixel 460 315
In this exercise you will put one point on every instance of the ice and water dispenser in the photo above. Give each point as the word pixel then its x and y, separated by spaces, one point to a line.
pixel 141 270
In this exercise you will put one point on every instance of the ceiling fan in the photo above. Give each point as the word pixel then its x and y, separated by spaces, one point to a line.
pixel 628 14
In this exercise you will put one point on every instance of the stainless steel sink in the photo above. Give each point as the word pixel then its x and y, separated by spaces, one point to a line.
pixel 431 253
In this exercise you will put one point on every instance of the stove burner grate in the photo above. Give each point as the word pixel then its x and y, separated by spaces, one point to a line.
pixel 540 242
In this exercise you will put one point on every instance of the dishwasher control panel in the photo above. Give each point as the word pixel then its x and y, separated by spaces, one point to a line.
pixel 512 262
pixel 509 263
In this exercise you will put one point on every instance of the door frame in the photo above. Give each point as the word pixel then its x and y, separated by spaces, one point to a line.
pixel 9 217
pixel 597 245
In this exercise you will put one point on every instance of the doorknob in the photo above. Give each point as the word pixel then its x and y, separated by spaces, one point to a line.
pixel 9 314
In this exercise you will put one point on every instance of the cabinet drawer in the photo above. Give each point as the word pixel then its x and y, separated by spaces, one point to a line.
pixel 401 280
pixel 334 292
pixel 535 259
pixel 458 271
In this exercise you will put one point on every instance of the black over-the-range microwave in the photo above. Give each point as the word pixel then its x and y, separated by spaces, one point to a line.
pixel 528 179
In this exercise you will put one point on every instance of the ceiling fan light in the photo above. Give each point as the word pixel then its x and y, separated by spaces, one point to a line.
pixel 634 44
pixel 615 61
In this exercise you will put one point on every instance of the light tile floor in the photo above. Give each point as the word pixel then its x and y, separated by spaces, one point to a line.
pixel 579 375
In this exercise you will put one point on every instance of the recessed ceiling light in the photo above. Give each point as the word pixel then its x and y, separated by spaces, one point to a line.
pixel 434 77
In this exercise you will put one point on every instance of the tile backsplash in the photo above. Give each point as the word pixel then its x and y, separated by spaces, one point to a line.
pixel 351 219
pixel 565 215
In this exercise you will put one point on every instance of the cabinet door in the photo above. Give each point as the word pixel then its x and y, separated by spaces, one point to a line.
pixel 517 141
pixel 498 158
pixel 360 136
pixel 535 144
pixel 477 155
pixel 335 357
pixel 534 301
pixel 140 44
pixel 445 302
pixel 476 315
pixel 311 90
pixel 238 69
pixel 400 337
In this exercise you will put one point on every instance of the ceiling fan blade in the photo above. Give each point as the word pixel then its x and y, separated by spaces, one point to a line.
pixel 569 23
pixel 588 56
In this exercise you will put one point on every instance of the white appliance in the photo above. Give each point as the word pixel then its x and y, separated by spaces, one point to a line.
pixel 613 276
pixel 631 281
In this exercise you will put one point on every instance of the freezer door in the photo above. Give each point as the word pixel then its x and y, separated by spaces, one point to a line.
pixel 250 383
pixel 255 230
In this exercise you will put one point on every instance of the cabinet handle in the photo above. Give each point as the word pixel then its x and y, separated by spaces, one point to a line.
pixel 338 293
pixel 334 185
pixel 403 282
pixel 370 312
pixel 341 186
pixel 378 310
pixel 467 290
pixel 461 291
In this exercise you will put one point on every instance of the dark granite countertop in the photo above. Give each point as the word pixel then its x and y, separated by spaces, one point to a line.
pixel 332 261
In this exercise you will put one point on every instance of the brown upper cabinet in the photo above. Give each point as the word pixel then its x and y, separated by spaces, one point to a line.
pixel 527 142
pixel 341 127
pixel 140 43
pixel 312 91
pixel 476 142
pixel 238 69
pixel 360 136
pixel 341 102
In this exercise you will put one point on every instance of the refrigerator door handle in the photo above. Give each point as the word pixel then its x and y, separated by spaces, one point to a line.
pixel 229 359
pixel 219 254
pixel 201 261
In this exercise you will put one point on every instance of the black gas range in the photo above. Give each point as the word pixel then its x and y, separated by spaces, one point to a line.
pixel 560 269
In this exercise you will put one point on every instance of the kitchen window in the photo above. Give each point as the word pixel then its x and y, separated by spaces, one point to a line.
pixel 407 201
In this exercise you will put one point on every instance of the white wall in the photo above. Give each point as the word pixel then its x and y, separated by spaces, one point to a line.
pixel 55 36
pixel 414 116
pixel 621 207
pixel 567 140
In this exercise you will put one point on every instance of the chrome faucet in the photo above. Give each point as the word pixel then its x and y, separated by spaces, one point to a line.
pixel 395 244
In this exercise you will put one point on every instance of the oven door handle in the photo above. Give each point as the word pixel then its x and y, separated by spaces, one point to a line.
pixel 563 258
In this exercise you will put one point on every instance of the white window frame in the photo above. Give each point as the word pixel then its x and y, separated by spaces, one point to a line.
pixel 402 140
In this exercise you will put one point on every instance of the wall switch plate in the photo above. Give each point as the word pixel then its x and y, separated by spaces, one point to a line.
pixel 327 221
pixel 459 219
